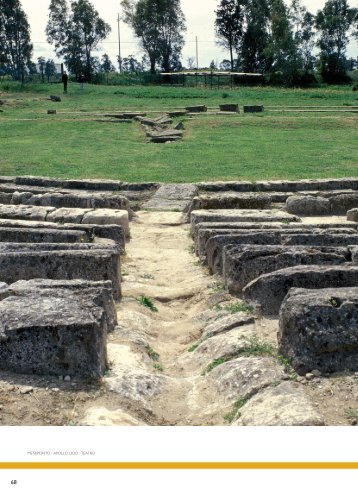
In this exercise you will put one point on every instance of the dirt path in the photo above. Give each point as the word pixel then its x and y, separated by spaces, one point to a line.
pixel 161 266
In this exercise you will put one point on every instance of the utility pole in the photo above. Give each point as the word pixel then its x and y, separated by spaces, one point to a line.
pixel 197 53
pixel 119 45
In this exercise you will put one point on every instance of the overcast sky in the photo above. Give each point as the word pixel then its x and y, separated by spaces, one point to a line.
pixel 200 22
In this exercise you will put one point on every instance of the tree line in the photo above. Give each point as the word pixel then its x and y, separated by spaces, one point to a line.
pixel 285 42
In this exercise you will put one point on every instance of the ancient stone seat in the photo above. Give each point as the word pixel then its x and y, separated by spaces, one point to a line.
pixel 318 329
pixel 269 290
pixel 56 332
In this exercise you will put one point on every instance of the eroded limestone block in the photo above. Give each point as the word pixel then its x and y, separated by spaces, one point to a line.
pixel 269 290
pixel 243 264
pixel 232 201
pixel 245 376
pixel 25 212
pixel 98 292
pixel 308 205
pixel 25 235
pixel 285 405
pixel 52 335
pixel 319 329
pixel 241 216
pixel 108 216
pixel 352 215
pixel 93 265
pixel 68 215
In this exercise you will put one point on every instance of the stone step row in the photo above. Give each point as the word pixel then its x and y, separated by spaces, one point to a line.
pixel 215 245
pixel 287 186
pixel 66 215
pixel 330 204
pixel 102 263
pixel 27 231
pixel 204 234
pixel 63 199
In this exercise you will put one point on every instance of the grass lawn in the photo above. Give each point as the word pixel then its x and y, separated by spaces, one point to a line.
pixel 250 147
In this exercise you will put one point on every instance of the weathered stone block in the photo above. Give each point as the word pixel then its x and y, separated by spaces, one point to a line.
pixel 25 212
pixel 232 201
pixel 93 265
pixel 71 215
pixel 52 335
pixel 308 205
pixel 253 108
pixel 214 246
pixel 340 204
pixel 243 264
pixel 25 235
pixel 241 216
pixel 352 215
pixel 108 216
pixel 197 109
pixel 269 290
pixel 98 292
pixel 319 329
pixel 229 107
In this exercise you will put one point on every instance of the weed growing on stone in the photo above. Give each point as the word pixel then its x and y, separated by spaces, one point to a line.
pixel 153 354
pixel 255 347
pixel 191 248
pixel 240 306
pixel 147 302
pixel 352 413
pixel 147 276
pixel 217 286
pixel 215 363
pixel 235 413
pixel 158 367
pixel 193 348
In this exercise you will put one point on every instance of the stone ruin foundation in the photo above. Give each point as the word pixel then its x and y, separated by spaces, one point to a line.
pixel 287 249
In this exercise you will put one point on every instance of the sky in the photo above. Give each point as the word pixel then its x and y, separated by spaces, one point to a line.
pixel 200 23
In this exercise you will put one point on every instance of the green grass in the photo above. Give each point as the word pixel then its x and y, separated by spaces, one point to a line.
pixel 146 301
pixel 235 413
pixel 153 355
pixel 243 147
pixel 352 413
pixel 232 308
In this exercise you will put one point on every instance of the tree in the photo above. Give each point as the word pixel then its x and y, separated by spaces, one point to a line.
pixel 303 23
pixel 256 36
pixel 159 25
pixel 334 22
pixel 131 64
pixel 76 33
pixel 15 44
pixel 50 69
pixel 281 51
pixel 41 61
pixel 229 26
pixel 225 65
pixel 106 64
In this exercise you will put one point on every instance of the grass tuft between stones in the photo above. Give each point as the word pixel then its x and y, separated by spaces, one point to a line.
pixel 147 302
pixel 235 413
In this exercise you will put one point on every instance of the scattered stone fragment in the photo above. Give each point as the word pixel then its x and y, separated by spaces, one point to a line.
pixel 26 390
